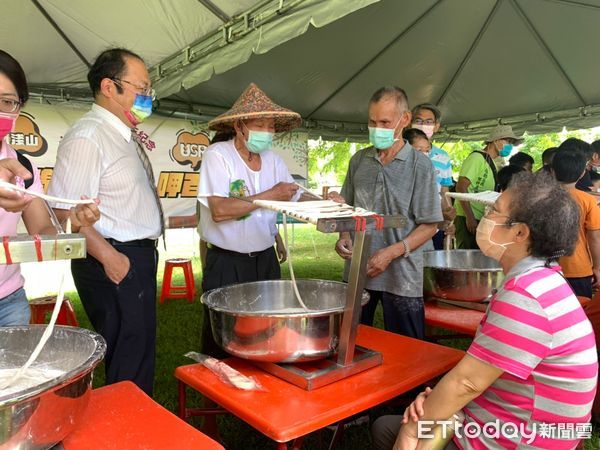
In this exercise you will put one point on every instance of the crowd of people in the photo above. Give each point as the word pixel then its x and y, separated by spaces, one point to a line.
pixel 533 359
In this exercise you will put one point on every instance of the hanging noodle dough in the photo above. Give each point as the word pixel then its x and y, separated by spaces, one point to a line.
pixel 289 258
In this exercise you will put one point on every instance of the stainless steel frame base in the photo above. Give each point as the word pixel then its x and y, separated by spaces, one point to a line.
pixel 313 375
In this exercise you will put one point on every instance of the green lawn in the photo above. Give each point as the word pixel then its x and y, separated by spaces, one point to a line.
pixel 179 324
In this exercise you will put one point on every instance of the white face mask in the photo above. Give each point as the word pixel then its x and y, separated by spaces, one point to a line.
pixel 494 250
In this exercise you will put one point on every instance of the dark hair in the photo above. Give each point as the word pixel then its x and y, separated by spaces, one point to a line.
pixel 111 64
pixel 10 67
pixel 569 162
pixel 548 210
pixel 520 160
pixel 394 92
pixel 429 107
pixel 410 134
pixel 505 175
pixel 222 136
pixel 548 156
pixel 577 144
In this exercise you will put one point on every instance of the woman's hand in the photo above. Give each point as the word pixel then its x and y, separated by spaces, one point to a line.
pixel 407 438
pixel 415 410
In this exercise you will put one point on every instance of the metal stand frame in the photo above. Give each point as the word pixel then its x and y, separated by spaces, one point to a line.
pixel 350 359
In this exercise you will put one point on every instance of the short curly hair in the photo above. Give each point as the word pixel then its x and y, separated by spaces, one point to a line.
pixel 548 210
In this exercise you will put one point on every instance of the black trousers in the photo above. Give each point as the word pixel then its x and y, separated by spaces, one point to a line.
pixel 224 268
pixel 124 314
pixel 401 315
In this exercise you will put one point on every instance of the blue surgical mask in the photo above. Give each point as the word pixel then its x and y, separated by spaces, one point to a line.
pixel 382 138
pixel 506 150
pixel 259 141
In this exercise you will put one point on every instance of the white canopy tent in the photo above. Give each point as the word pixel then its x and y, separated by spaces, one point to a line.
pixel 529 63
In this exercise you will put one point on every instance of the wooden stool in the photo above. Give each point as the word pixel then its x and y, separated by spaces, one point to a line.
pixel 187 290
pixel 41 307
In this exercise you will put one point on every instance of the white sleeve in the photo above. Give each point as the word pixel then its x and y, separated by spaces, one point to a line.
pixel 77 170
pixel 214 177
pixel 283 174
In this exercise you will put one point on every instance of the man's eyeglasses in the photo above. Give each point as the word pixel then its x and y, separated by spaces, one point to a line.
pixel 424 122
pixel 141 89
pixel 9 105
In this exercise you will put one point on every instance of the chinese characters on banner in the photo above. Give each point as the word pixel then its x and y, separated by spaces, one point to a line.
pixel 174 146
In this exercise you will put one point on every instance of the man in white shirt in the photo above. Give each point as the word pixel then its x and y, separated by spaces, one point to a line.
pixel 240 235
pixel 100 157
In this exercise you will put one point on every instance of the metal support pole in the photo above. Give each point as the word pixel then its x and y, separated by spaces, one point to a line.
pixel 356 285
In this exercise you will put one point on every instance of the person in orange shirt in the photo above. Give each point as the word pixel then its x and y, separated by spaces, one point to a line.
pixel 582 268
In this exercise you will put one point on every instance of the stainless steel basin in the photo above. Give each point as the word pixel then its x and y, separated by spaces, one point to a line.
pixel 463 275
pixel 263 320
pixel 40 416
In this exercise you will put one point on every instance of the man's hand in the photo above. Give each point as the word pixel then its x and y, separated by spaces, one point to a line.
pixel 281 192
pixel 449 213
pixel 379 262
pixel 280 248
pixel 117 267
pixel 336 197
pixel 85 215
pixel 472 225
pixel 13 201
pixel 343 247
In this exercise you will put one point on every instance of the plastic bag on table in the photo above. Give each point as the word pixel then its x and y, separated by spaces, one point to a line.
pixel 226 373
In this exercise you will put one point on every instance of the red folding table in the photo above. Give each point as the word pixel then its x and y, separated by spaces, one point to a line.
pixel 121 416
pixel 285 412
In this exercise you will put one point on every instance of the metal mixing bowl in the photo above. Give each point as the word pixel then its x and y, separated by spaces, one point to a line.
pixel 263 320
pixel 463 275
pixel 41 416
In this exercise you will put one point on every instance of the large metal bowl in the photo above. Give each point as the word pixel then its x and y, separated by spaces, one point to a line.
pixel 263 320
pixel 41 416
pixel 463 275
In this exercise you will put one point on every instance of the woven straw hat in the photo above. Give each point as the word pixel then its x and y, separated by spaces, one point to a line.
pixel 254 104
pixel 503 132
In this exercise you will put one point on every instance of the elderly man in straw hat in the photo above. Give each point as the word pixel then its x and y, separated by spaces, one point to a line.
pixel 240 235
pixel 477 174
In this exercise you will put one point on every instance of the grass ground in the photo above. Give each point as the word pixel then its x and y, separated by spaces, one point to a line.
pixel 179 326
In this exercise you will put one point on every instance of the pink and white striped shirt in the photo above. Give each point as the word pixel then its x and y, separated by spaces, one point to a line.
pixel 535 331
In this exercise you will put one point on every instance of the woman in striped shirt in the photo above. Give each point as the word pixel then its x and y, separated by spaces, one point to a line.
pixel 529 377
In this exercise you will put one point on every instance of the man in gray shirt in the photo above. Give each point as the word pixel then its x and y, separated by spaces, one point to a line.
pixel 391 177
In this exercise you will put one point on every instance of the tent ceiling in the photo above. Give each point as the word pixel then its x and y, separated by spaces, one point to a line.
pixel 524 62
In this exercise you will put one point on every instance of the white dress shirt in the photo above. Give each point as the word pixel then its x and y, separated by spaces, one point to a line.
pixel 97 157
pixel 223 173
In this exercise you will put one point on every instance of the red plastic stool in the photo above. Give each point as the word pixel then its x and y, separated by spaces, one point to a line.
pixel 187 290
pixel 41 307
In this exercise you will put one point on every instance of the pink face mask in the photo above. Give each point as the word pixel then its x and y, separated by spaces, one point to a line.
pixel 7 123
pixel 427 129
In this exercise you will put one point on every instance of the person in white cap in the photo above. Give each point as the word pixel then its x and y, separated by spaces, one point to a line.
pixel 478 174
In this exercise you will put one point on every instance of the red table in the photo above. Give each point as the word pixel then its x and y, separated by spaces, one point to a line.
pixel 285 412
pixel 122 416
pixel 454 318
